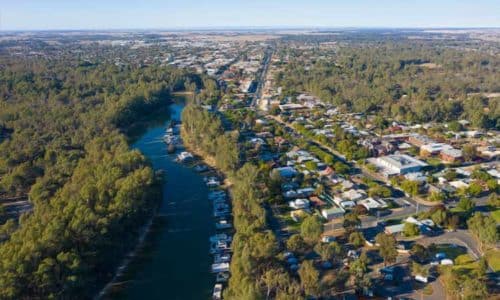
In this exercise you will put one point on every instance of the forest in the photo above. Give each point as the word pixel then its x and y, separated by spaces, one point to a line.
pixel 63 147
pixel 405 80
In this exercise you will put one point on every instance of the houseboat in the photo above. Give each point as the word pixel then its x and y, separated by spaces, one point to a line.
pixel 185 157
pixel 217 293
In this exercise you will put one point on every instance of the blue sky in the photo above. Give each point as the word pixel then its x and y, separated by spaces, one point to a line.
pixel 130 14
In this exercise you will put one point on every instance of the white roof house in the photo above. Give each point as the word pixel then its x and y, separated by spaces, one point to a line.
pixel 397 164
pixel 370 203
pixel 299 204
pixel 354 195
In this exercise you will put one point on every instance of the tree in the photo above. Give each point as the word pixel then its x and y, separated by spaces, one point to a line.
pixel 436 196
pixel 340 167
pixel 494 200
pixel 358 270
pixel 469 152
pixel 351 222
pixel 411 187
pixel 311 229
pixel 274 279
pixel 410 229
pixel 387 247
pixel 484 228
pixel 309 278
pixel 357 239
pixel 296 243
pixel 326 251
pixel 474 189
pixel 455 126
pixel 418 269
pixel 474 288
pixel 466 205
pixel 419 253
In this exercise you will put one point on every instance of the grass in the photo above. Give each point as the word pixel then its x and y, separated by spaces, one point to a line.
pixel 496 215
pixel 493 259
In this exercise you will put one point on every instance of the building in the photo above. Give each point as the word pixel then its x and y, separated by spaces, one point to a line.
pixel 397 164
pixel 394 229
pixel 451 155
pixel 419 140
pixel 433 148
pixel 332 213
pixel 372 204
pixel 299 204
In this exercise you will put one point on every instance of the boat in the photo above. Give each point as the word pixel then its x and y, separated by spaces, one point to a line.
pixel 222 213
pixel 185 157
pixel 219 247
pixel 222 277
pixel 201 168
pixel 213 182
pixel 223 224
pixel 222 257
pixel 218 268
pixel 217 293
pixel 220 237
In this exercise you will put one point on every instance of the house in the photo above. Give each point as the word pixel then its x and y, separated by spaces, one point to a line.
pixel 316 201
pixel 371 204
pixel 433 148
pixel 332 213
pixel 419 140
pixel 488 151
pixel 354 195
pixel 451 155
pixel 459 184
pixel 299 204
pixel 397 164
pixel 347 204
pixel 394 229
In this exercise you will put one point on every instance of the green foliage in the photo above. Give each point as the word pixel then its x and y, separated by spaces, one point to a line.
pixel 436 196
pixel 90 192
pixel 296 243
pixel 387 78
pixel 484 228
pixel 411 187
pixel 311 229
pixel 357 239
pixel 387 247
pixel 203 130
pixel 309 278
pixel 466 204
pixel 410 229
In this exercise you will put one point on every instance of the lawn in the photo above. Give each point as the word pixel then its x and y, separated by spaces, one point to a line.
pixel 493 258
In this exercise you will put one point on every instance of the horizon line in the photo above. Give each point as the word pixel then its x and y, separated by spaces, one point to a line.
pixel 253 27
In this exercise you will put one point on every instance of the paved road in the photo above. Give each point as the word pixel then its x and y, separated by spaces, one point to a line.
pixel 262 77
pixel 459 237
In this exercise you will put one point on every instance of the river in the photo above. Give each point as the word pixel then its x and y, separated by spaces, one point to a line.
pixel 175 262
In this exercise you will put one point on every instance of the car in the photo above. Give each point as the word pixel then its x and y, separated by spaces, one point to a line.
pixel 328 239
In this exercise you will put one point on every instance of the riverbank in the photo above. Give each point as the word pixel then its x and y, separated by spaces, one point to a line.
pixel 209 160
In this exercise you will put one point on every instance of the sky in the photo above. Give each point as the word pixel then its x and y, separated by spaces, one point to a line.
pixel 186 14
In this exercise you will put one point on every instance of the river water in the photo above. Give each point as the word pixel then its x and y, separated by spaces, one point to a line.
pixel 175 262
